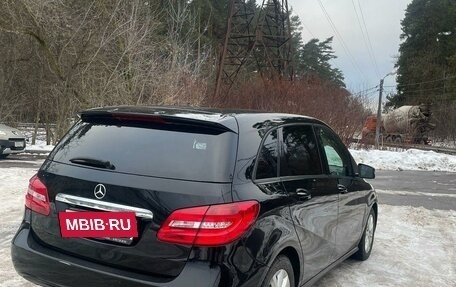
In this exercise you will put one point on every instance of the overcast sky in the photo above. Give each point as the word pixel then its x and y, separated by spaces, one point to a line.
pixel 382 19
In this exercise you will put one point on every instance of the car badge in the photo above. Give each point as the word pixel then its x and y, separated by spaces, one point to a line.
pixel 99 191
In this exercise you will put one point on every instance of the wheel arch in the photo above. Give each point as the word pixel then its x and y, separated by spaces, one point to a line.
pixel 375 209
pixel 292 254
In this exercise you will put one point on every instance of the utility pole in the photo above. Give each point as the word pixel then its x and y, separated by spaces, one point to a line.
pixel 379 115
pixel 379 111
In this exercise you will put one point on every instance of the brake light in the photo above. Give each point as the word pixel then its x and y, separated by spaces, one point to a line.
pixel 139 118
pixel 212 225
pixel 37 198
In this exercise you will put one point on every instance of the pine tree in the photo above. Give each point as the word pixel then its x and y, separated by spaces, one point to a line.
pixel 427 60
pixel 314 59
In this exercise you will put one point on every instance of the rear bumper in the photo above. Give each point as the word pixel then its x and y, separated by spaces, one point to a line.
pixel 47 267
pixel 9 146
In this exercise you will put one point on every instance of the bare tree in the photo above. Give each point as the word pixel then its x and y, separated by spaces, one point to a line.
pixel 69 55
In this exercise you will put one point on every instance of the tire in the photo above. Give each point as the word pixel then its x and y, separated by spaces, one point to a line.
pixel 365 248
pixel 2 156
pixel 281 269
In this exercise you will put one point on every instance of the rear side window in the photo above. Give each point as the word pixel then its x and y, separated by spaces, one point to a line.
pixel 160 151
pixel 300 152
pixel 268 157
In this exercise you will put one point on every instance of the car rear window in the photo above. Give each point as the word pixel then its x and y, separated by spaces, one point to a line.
pixel 188 153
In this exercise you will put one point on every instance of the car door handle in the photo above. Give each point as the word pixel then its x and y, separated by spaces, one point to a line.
pixel 303 193
pixel 342 188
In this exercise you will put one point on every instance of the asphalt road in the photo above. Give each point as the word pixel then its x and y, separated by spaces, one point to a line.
pixel 428 189
pixel 22 160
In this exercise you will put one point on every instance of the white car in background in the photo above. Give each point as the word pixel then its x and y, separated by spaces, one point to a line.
pixel 12 141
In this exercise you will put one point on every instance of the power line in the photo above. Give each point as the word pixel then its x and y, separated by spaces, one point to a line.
pixel 339 36
pixel 372 95
pixel 368 39
pixel 419 83
pixel 366 90
pixel 365 39
pixel 430 89
pixel 416 95
pixel 308 30
pixel 436 97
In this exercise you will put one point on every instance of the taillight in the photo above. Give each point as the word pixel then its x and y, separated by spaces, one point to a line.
pixel 139 118
pixel 37 198
pixel 212 225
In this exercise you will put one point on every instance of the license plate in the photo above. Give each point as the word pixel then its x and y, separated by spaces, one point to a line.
pixel 18 144
pixel 107 225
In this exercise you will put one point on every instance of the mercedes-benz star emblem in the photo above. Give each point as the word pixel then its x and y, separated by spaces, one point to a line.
pixel 99 191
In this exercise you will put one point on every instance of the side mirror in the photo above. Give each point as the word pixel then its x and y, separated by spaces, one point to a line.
pixel 366 171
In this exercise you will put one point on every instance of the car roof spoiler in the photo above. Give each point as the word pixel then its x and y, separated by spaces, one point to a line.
pixel 158 119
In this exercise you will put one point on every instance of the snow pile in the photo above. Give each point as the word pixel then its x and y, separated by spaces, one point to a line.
pixel 411 159
pixel 39 146
pixel 40 141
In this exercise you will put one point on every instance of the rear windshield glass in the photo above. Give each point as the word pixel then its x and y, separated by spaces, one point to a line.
pixel 179 153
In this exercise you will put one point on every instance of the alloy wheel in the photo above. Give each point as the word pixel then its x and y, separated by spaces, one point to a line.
pixel 369 238
pixel 280 279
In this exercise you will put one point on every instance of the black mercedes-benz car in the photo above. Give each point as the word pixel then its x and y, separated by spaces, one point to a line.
pixel 221 198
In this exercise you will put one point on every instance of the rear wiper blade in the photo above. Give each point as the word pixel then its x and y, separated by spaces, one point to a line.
pixel 93 162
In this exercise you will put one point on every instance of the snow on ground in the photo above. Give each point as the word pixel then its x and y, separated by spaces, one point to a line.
pixel 40 141
pixel 411 159
pixel 13 186
pixel 39 146
pixel 413 246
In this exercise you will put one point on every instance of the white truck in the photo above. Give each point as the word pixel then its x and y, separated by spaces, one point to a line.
pixel 407 124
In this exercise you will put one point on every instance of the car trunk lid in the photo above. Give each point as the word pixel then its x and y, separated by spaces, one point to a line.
pixel 158 169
